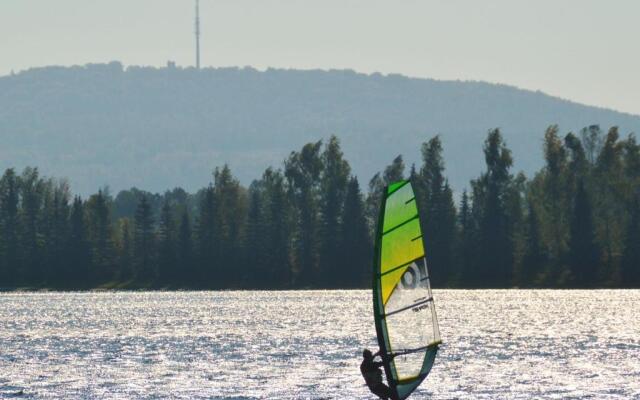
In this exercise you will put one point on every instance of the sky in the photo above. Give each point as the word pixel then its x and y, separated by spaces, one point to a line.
pixel 582 50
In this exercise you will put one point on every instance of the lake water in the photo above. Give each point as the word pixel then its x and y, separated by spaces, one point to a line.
pixel 498 344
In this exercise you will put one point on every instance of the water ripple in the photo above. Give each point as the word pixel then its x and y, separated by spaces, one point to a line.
pixel 498 344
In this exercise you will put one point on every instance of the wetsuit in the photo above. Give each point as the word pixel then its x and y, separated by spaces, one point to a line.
pixel 373 377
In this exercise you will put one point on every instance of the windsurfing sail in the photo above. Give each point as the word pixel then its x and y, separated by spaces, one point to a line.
pixel 404 310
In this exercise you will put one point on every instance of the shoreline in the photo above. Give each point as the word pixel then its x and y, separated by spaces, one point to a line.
pixel 319 289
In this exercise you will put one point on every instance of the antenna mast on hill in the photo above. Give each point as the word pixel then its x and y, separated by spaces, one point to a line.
pixel 198 34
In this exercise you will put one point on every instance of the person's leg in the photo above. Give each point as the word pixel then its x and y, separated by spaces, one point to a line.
pixel 381 390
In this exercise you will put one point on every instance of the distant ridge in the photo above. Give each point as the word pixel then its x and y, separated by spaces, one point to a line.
pixel 156 128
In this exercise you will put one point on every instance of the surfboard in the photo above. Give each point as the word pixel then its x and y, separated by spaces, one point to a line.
pixel 404 308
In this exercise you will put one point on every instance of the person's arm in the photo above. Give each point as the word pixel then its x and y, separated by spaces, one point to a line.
pixel 385 358
pixel 389 356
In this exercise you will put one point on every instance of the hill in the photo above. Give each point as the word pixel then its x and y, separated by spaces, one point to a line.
pixel 156 128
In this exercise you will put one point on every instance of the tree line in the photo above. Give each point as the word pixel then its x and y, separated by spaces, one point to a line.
pixel 309 224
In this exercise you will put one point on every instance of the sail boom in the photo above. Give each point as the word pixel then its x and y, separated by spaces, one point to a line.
pixel 419 349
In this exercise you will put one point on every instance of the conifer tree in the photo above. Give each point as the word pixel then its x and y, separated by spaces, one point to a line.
pixel 100 235
pixel 206 236
pixel 516 201
pixel 578 165
pixel 466 246
pixel 185 254
pixel 435 200
pixel 584 255
pixel 78 249
pixel 631 256
pixel 372 203
pixel 31 189
pixel 9 228
pixel 356 248
pixel 55 232
pixel 144 243
pixel 230 219
pixel 395 171
pixel 125 259
pixel 496 246
pixel 256 251
pixel 555 202
pixel 533 262
pixel 632 166
pixel 611 202
pixel 167 269
pixel 277 229
pixel 303 170
pixel 591 138
pixel 333 183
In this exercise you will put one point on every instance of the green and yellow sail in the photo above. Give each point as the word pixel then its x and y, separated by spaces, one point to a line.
pixel 404 310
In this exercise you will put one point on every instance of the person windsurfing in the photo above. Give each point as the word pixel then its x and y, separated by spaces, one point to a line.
pixel 372 375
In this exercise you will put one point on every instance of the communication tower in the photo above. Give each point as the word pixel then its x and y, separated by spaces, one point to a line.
pixel 198 34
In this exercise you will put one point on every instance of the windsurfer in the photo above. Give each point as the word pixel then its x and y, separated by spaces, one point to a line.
pixel 372 375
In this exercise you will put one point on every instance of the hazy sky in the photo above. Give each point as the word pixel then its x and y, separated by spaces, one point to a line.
pixel 583 50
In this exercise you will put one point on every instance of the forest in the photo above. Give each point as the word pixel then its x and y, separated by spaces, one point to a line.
pixel 309 223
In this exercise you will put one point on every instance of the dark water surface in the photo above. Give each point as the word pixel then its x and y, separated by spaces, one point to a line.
pixel 498 344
